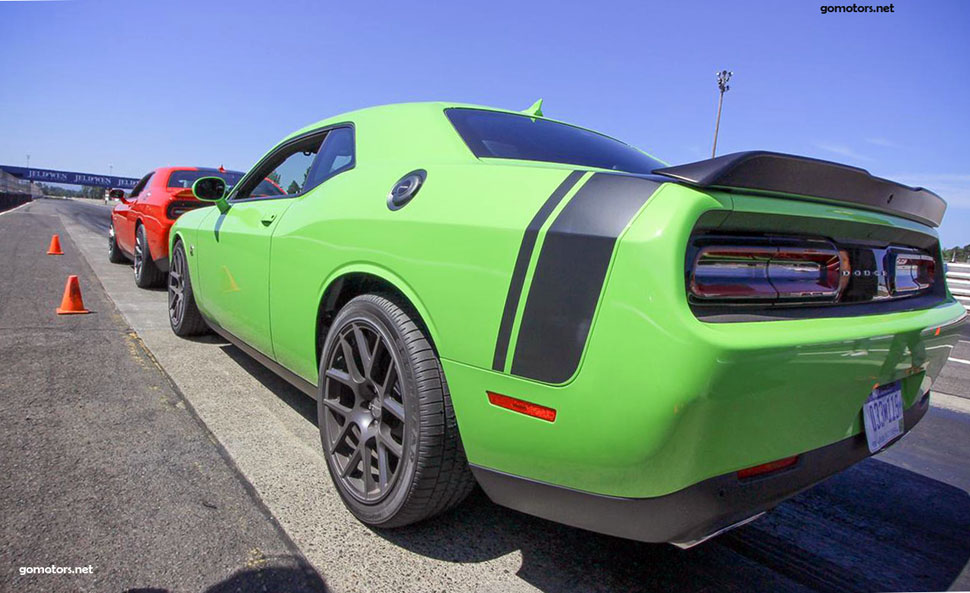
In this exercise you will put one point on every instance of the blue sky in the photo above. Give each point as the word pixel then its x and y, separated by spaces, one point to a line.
pixel 140 84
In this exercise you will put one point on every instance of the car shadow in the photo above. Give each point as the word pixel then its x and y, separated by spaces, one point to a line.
pixel 291 396
pixel 290 574
pixel 210 338
pixel 873 527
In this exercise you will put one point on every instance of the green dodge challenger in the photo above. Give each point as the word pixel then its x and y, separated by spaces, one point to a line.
pixel 661 353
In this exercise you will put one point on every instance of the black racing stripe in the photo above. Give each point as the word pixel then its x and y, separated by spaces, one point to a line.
pixel 570 273
pixel 522 265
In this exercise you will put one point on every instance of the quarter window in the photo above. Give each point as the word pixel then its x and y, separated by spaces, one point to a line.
pixel 336 155
pixel 140 186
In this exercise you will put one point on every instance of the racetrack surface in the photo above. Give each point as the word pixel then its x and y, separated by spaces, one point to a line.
pixel 898 521
pixel 103 463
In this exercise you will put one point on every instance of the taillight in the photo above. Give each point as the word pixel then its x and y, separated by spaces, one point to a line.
pixel 767 273
pixel 177 208
pixel 912 272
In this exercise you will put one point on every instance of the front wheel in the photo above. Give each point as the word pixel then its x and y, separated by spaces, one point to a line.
pixel 385 416
pixel 183 313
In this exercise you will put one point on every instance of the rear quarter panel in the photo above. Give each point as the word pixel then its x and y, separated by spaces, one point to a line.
pixel 663 400
pixel 452 247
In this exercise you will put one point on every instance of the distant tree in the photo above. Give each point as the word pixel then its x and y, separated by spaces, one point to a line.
pixel 294 187
pixel 275 177
pixel 957 254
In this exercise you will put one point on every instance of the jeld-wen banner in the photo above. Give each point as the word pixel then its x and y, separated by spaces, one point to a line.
pixel 51 176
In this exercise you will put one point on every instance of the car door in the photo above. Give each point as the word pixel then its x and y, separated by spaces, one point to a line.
pixel 295 282
pixel 234 247
pixel 127 215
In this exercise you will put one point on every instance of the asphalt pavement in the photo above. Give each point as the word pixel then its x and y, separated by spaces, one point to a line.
pixel 104 464
pixel 955 378
pixel 898 521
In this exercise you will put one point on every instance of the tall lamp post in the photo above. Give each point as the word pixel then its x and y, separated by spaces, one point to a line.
pixel 722 84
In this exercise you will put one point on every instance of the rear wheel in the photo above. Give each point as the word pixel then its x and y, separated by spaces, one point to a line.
pixel 147 274
pixel 183 314
pixel 386 421
pixel 114 252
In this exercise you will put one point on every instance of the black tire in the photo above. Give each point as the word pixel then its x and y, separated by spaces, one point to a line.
pixel 431 474
pixel 147 274
pixel 183 313
pixel 115 255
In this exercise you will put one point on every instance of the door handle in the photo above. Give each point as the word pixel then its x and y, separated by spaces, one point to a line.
pixel 268 219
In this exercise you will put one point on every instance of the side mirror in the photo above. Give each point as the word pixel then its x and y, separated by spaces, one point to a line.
pixel 209 189
pixel 118 194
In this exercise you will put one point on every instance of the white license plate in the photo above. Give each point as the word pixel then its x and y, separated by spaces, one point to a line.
pixel 883 415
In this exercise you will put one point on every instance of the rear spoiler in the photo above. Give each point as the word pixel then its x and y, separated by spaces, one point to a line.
pixel 811 179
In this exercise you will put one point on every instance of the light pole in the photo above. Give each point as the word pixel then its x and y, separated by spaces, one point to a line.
pixel 28 160
pixel 722 84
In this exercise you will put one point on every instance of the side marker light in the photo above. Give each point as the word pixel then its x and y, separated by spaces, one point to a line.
pixel 522 407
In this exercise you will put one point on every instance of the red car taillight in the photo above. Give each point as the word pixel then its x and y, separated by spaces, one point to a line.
pixel 764 273
pixel 177 208
pixel 912 272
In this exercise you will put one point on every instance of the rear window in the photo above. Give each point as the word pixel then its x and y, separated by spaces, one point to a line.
pixel 185 179
pixel 494 134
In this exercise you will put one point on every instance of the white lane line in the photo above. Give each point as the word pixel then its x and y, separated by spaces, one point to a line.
pixel 14 209
pixel 950 402
pixel 960 360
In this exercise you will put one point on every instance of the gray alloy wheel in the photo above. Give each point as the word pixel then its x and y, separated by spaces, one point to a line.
pixel 366 419
pixel 114 252
pixel 147 274
pixel 390 440
pixel 183 314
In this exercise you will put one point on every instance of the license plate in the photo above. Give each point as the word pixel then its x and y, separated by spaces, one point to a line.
pixel 883 415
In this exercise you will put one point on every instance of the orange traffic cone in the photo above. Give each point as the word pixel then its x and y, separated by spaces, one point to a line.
pixel 55 248
pixel 71 303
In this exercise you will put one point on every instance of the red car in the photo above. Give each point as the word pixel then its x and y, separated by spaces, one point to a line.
pixel 140 222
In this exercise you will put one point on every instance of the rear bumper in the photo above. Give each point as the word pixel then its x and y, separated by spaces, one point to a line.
pixel 688 516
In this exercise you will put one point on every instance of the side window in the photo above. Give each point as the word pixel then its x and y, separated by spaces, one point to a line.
pixel 336 155
pixel 286 171
pixel 135 191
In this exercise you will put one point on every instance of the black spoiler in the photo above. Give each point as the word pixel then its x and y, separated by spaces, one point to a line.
pixel 809 178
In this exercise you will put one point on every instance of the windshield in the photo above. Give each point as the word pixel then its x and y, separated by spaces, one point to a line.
pixel 494 134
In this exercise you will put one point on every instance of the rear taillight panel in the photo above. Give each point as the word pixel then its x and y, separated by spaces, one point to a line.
pixel 177 208
pixel 911 272
pixel 739 270
pixel 811 271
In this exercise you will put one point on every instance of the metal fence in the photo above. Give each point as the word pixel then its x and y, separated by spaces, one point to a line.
pixel 10 200
pixel 13 191
pixel 958 279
